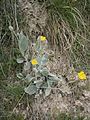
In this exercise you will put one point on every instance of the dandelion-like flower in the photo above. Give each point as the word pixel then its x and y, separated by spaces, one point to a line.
pixel 34 62
pixel 43 38
pixel 82 75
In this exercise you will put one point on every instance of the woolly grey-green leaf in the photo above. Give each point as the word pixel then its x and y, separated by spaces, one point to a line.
pixel 20 75
pixel 53 77
pixel 30 78
pixel 47 91
pixel 31 89
pixel 20 60
pixel 27 66
pixel 23 43
pixel 38 82
pixel 44 72
pixel 44 59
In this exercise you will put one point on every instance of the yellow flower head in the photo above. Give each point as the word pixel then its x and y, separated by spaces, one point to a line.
pixel 34 62
pixel 43 38
pixel 82 75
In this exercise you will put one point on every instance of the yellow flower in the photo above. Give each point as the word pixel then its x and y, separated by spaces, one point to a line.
pixel 34 62
pixel 82 75
pixel 43 38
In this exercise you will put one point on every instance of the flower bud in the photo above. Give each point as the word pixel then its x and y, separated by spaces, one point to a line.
pixel 10 28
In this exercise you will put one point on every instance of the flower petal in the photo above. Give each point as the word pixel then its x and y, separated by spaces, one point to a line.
pixel 34 62
pixel 82 75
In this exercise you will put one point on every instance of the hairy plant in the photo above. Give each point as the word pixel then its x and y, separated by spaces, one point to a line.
pixel 40 79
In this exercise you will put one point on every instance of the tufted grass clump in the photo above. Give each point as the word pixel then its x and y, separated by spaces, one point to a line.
pixel 68 29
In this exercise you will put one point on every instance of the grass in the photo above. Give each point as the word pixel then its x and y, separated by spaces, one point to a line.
pixel 67 30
